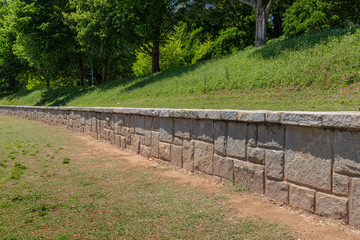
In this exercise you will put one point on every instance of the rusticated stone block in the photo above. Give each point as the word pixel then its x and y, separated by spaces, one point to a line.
pixel 145 151
pixel 354 206
pixel 139 124
pixel 224 167
pixel 176 155
pixel 277 190
pixel 203 153
pixel 147 138
pixel 341 184
pixel 274 164
pixel 308 156
pixel 155 144
pixel 249 176
pixel 331 206
pixel 202 130
pixel 252 135
pixel 236 140
pixel 122 142
pixel 220 137
pixel 166 130
pixel 256 155
pixel 178 141
pixel 94 135
pixel 271 136
pixel 112 137
pixel 87 130
pixel 347 152
pixel 135 143
pixel 164 151
pixel 182 128
pixel 117 140
pixel 188 155
pixel 303 198
pixel 107 134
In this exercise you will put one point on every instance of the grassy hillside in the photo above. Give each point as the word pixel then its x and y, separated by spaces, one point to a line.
pixel 320 71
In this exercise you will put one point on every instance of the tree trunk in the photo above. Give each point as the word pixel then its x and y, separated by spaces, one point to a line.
pixel 105 70
pixel 260 18
pixel 156 57
pixel 81 70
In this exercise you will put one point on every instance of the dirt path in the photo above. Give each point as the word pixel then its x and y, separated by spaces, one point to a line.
pixel 306 225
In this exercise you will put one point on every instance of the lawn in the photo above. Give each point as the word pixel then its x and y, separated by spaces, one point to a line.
pixel 54 185
pixel 316 72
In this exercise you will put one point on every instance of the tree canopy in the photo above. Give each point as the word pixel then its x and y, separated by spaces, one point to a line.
pixel 81 42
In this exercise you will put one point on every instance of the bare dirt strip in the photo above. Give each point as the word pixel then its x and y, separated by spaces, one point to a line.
pixel 304 224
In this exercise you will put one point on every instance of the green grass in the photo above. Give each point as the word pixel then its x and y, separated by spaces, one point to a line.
pixel 320 71
pixel 100 195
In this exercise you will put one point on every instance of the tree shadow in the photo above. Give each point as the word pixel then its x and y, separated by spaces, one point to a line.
pixel 276 47
pixel 11 96
pixel 62 96
pixel 169 73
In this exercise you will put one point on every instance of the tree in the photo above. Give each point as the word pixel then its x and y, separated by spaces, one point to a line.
pixel 149 22
pixel 98 34
pixel 262 11
pixel 42 38
pixel 306 16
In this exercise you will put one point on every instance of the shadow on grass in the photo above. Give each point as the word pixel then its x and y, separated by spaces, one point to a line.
pixel 15 95
pixel 275 48
pixel 62 96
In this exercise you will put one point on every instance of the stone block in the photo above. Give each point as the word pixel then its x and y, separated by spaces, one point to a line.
pixel 188 155
pixel 354 206
pixel 271 136
pixel 303 198
pixel 112 136
pixel 220 137
pixel 347 152
pixel 94 135
pixel 229 115
pixel 251 116
pixel 129 121
pixel 155 144
pixel 331 206
pixel 117 140
pixel 182 128
pixel 277 190
pixel 166 130
pixel 87 130
pixel 178 141
pixel 139 124
pixel 301 119
pixel 122 142
pixel 164 151
pixel 202 130
pixel 107 134
pixel 224 167
pixel 308 156
pixel 341 184
pixel 236 140
pixel 147 138
pixel 135 143
pixel 252 135
pixel 145 151
pixel 203 157
pixel 256 155
pixel 176 155
pixel 249 176
pixel 274 164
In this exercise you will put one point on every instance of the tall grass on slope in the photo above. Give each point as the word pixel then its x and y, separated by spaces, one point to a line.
pixel 324 60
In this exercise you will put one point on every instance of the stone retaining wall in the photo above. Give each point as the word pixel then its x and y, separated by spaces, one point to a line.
pixel 306 159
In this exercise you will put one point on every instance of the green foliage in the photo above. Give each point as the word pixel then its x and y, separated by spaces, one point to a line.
pixel 202 51
pixel 306 16
pixel 229 41
pixel 312 72
pixel 171 56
